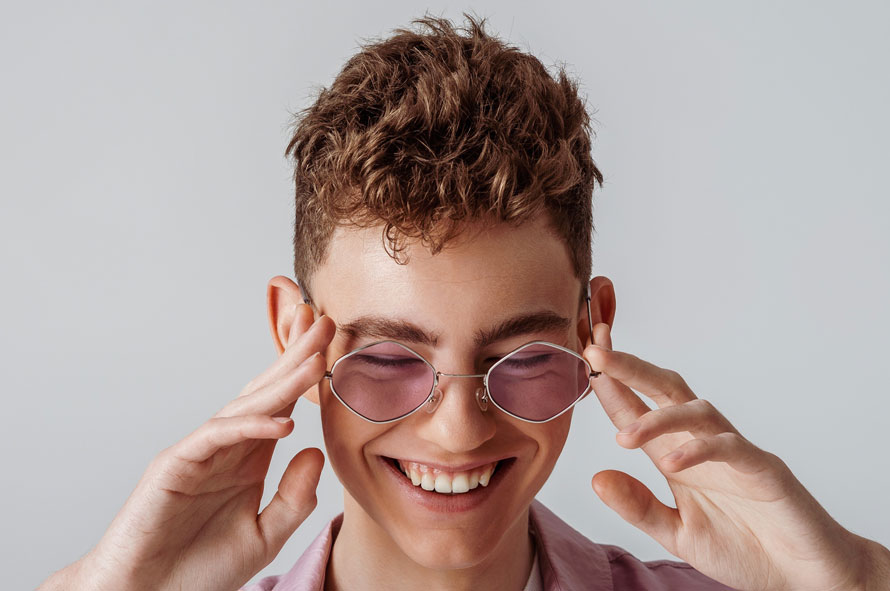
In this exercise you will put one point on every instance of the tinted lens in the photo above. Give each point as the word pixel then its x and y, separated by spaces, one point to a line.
pixel 538 382
pixel 383 382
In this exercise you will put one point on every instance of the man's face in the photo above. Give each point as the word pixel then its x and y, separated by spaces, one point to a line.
pixel 439 305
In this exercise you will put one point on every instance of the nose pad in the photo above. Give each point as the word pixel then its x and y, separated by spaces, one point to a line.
pixel 482 398
pixel 433 403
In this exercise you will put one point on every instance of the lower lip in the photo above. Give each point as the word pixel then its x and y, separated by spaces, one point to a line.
pixel 444 502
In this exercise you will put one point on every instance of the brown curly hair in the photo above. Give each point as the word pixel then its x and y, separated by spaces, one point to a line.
pixel 429 128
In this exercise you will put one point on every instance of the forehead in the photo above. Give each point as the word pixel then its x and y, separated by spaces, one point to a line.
pixel 488 271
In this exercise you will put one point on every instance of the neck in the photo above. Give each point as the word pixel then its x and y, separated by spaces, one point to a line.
pixel 366 556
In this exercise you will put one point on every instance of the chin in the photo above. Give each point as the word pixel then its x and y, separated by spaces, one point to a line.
pixel 449 550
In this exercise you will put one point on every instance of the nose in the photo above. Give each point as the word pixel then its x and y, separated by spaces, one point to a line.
pixel 458 423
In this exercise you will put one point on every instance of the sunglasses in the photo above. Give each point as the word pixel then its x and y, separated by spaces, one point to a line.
pixel 387 381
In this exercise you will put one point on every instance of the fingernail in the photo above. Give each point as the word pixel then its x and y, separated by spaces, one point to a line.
pixel 630 429
pixel 674 455
pixel 283 419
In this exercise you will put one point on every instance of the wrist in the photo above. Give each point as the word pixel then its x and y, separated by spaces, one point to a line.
pixel 86 574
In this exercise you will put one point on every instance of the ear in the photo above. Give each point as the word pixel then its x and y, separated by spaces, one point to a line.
pixel 289 317
pixel 602 308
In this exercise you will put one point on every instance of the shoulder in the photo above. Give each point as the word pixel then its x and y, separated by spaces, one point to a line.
pixel 569 560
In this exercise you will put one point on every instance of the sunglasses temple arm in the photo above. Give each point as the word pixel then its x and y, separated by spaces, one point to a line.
pixel 306 299
pixel 593 374
pixel 305 293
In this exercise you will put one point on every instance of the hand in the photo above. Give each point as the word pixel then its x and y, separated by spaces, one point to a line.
pixel 742 518
pixel 191 522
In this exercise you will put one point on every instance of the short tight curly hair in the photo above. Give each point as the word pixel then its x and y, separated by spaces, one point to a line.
pixel 428 129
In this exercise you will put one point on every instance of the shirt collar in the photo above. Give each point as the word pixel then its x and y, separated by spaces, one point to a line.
pixel 566 558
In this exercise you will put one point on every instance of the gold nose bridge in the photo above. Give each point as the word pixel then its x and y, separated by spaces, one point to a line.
pixel 436 397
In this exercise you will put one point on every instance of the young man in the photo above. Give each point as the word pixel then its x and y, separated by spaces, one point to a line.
pixel 446 324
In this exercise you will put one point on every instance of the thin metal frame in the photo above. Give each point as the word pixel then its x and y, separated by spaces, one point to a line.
pixel 486 397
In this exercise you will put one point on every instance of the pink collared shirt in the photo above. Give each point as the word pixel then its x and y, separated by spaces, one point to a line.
pixel 567 561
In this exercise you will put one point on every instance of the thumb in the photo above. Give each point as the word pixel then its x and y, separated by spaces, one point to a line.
pixel 636 504
pixel 294 500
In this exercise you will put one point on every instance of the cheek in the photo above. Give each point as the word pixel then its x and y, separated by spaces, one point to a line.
pixel 345 436
pixel 551 438
pixel 335 427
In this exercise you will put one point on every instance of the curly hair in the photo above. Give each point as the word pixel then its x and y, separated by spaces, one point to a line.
pixel 428 129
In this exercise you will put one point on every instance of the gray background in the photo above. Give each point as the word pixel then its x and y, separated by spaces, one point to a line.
pixel 146 203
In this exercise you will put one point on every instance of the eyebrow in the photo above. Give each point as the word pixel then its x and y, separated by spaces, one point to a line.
pixel 402 330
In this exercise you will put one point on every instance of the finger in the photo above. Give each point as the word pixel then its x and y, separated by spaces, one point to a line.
pixel 602 335
pixel 221 432
pixel 303 344
pixel 621 404
pixel 664 386
pixel 697 417
pixel 636 504
pixel 294 500
pixel 276 395
pixel 304 318
pixel 728 447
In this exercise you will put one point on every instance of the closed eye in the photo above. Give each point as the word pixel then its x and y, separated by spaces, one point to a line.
pixel 517 362
pixel 388 361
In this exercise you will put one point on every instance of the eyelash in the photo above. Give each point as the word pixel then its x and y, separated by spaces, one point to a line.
pixel 527 362
pixel 387 361
pixel 516 363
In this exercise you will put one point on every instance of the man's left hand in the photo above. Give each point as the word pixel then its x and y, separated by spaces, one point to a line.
pixel 741 516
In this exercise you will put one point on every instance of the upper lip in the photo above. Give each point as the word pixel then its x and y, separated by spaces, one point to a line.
pixel 450 467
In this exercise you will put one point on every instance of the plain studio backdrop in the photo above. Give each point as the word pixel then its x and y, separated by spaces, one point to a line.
pixel 745 222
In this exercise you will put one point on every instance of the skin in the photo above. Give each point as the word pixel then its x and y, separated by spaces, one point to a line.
pixel 194 520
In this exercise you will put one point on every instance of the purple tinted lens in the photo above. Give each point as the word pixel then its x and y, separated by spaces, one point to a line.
pixel 538 382
pixel 383 381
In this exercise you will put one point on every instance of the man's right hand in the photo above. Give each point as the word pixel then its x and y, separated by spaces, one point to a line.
pixel 193 521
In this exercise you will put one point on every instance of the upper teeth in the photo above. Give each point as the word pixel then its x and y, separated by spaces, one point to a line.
pixel 435 479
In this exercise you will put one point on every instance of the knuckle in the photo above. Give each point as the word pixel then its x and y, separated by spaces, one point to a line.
pixel 248 387
pixel 777 462
pixel 228 410
pixel 161 459
pixel 675 380
pixel 212 424
pixel 163 464
pixel 729 438
pixel 648 422
pixel 732 440
pixel 703 406
pixel 700 446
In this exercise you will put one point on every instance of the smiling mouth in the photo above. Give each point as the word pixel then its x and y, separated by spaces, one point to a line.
pixel 445 482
